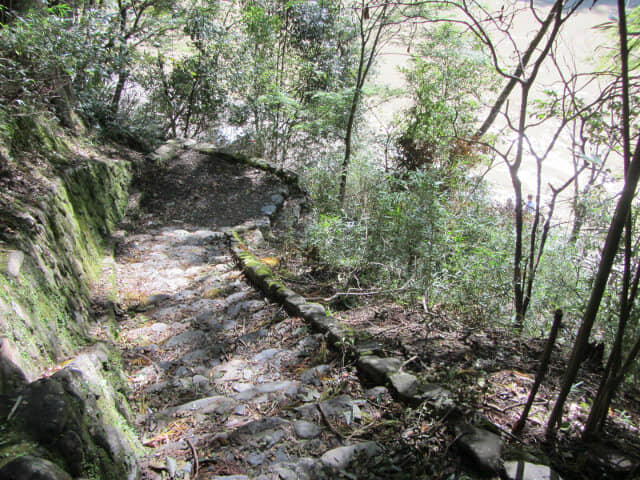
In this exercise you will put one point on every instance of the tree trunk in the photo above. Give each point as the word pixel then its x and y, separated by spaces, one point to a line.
pixel 518 274
pixel 364 65
pixel 519 71
pixel 609 250
pixel 117 94
pixel 600 407
pixel 348 138
pixel 542 371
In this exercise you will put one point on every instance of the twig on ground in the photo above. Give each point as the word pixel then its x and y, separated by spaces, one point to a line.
pixel 509 407
pixel 15 407
pixel 357 293
pixel 361 430
pixel 325 418
pixel 520 404
pixel 196 465
pixel 415 357
pixel 509 434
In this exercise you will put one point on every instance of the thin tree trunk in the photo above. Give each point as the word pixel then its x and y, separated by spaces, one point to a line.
pixel 599 285
pixel 518 290
pixel 520 273
pixel 364 65
pixel 600 407
pixel 542 371
pixel 519 71
pixel 613 370
pixel 347 146
pixel 117 94
pixel 608 384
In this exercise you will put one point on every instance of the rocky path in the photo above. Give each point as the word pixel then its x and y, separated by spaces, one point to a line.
pixel 226 384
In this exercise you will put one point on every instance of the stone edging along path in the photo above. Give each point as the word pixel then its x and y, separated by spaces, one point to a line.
pixel 481 448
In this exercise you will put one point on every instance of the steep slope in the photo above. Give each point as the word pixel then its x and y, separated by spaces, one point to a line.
pixel 61 394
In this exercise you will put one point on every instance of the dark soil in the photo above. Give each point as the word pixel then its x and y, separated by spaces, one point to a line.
pixel 205 191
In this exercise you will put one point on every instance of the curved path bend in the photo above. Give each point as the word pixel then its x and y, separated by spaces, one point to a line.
pixel 224 383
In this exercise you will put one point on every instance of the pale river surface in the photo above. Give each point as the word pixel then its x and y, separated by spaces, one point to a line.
pixel 579 45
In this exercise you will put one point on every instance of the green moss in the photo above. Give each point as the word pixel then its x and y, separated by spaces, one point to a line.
pixel 11 448
pixel 62 228
pixel 273 286
pixel 62 232
pixel 33 133
pixel 43 326
pixel 102 206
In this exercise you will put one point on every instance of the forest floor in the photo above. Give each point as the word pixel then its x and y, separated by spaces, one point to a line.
pixel 228 385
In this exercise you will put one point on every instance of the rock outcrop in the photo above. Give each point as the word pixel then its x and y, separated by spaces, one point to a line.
pixel 56 210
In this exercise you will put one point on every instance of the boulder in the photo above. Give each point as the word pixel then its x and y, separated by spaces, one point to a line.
pixel 32 468
pixel 521 470
pixel 341 457
pixel 11 375
pixel 74 416
pixel 481 448
pixel 378 369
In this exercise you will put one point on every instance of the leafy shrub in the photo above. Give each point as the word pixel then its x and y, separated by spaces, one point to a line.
pixel 132 125
pixel 475 275
pixel 407 232
pixel 448 71
pixel 339 240
pixel 33 82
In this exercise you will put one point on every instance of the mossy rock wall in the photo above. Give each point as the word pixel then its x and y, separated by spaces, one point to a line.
pixel 50 249
pixel 75 420
pixel 57 210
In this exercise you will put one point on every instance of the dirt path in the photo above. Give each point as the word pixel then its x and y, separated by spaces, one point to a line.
pixel 219 374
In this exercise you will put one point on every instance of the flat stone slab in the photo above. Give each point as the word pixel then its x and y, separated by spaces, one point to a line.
pixel 341 457
pixel 529 471
pixel 437 396
pixel 405 384
pixel 269 354
pixel 217 404
pixel 286 387
pixel 201 355
pixel 230 477
pixel 377 368
pixel 309 309
pixel 188 337
pixel 313 376
pixel 14 264
pixel 254 336
pixel 235 369
pixel 155 333
pixel 236 297
pixel 299 469
pixel 264 433
pixel 306 429
pixel 335 407
pixel 482 448
pixel 248 306
pixel 258 426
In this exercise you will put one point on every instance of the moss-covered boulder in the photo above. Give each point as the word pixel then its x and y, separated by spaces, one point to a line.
pixel 72 419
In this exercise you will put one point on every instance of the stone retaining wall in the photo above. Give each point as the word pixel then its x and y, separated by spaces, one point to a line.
pixel 72 422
